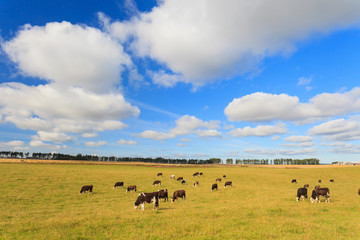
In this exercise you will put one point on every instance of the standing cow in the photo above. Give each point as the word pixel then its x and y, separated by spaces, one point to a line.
pixel 163 194
pixel 119 184
pixel 218 180
pixel 196 183
pixel 131 188
pixel 214 187
pixel 86 188
pixel 228 183
pixel 172 177
pixel 178 194
pixel 159 174
pixel 301 192
pixel 179 178
pixel 147 198
pixel 317 192
pixel 293 181
pixel 157 182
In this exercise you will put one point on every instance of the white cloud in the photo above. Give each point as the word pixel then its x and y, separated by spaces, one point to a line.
pixel 261 130
pixel 41 144
pixel 242 33
pixel 127 142
pixel 299 139
pixel 15 145
pixel 186 125
pixel 279 152
pixel 95 144
pixel 304 81
pixel 68 55
pixel 338 130
pixel 56 137
pixel 89 135
pixel 268 107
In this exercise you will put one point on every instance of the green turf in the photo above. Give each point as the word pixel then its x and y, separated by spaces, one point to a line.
pixel 42 201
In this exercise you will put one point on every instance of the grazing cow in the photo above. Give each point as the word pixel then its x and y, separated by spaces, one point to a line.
pixel 179 178
pixel 119 184
pixel 178 194
pixel 86 188
pixel 359 191
pixel 163 194
pixel 200 174
pixel 293 181
pixel 224 176
pixel 131 188
pixel 228 183
pixel 172 177
pixel 332 180
pixel 147 198
pixel 319 181
pixel 301 192
pixel 306 185
pixel 159 174
pixel 196 174
pixel 183 181
pixel 196 183
pixel 316 193
pixel 214 186
pixel 218 180
pixel 157 182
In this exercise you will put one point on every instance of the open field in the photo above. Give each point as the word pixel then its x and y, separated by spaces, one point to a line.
pixel 42 201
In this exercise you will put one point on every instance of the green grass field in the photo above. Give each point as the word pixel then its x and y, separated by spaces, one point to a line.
pixel 42 201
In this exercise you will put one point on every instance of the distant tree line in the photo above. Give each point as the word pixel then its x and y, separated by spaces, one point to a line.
pixel 60 156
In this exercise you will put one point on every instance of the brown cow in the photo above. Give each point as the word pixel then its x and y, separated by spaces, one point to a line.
pixel 131 188
pixel 159 174
pixel 214 186
pixel 306 185
pixel 86 188
pixel 301 192
pixel 316 193
pixel 359 191
pixel 196 183
pixel 157 182
pixel 332 180
pixel 163 194
pixel 228 183
pixel 218 180
pixel 178 194
pixel 196 174
pixel 179 178
pixel 293 181
pixel 119 184
pixel 147 198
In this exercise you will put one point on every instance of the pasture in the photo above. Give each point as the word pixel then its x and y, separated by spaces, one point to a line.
pixel 42 201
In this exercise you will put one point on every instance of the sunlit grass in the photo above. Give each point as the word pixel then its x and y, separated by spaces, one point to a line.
pixel 42 201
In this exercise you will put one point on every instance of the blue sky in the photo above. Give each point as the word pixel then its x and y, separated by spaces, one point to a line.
pixel 181 79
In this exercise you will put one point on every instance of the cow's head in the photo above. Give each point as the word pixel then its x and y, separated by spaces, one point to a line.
pixel 138 200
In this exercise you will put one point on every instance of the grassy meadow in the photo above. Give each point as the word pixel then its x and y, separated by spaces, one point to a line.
pixel 42 201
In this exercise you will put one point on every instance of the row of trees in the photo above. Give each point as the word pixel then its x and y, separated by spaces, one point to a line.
pixel 60 156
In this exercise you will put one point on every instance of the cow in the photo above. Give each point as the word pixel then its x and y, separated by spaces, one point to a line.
pixel 147 198
pixel 157 182
pixel 319 181
pixel 317 192
pixel 228 183
pixel 359 191
pixel 178 194
pixel 163 194
pixel 196 183
pixel 200 174
pixel 214 186
pixel 179 178
pixel 293 181
pixel 301 192
pixel 183 181
pixel 131 188
pixel 86 188
pixel 159 174
pixel 332 180
pixel 172 177
pixel 119 184
pixel 196 174
pixel 218 180
pixel 306 185
pixel 316 187
pixel 224 176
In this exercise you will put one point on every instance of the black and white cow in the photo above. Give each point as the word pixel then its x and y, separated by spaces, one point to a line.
pixel 228 183
pixel 183 181
pixel 301 192
pixel 317 192
pixel 86 188
pixel 178 194
pixel 214 187
pixel 293 181
pixel 147 198
pixel 163 194
pixel 196 183
pixel 119 184
pixel 157 182
pixel 131 188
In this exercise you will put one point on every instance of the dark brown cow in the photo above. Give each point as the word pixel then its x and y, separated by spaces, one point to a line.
pixel 293 181
pixel 147 198
pixel 119 184
pixel 163 194
pixel 196 183
pixel 218 180
pixel 214 186
pixel 131 188
pixel 200 174
pixel 183 181
pixel 178 194
pixel 224 176
pixel 316 193
pixel 332 180
pixel 179 178
pixel 306 185
pixel 228 183
pixel 301 192
pixel 196 174
pixel 159 174
pixel 157 182
pixel 359 191
pixel 86 188
pixel 319 181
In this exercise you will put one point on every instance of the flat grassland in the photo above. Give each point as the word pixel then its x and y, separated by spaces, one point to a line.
pixel 42 201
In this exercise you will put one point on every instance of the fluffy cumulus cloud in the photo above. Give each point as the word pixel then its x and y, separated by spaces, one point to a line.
pixel 261 106
pixel 127 142
pixel 40 144
pixel 95 144
pixel 242 33
pixel 186 125
pixel 299 139
pixel 15 145
pixel 280 152
pixel 260 131
pixel 338 130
